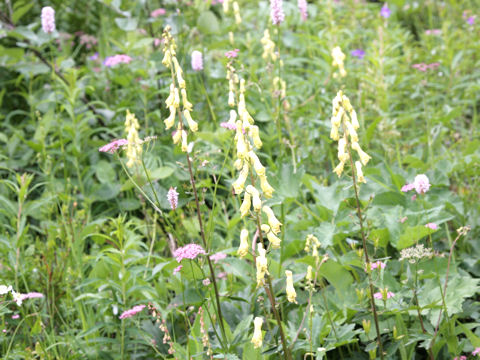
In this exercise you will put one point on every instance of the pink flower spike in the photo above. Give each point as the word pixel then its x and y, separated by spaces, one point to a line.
pixel 117 59
pixel 302 7
pixel 190 251
pixel 113 146
pixel 172 197
pixel 197 61
pixel 421 184
pixel 218 256
pixel 177 269
pixel 476 351
pixel 48 19
pixel 158 12
pixel 131 312
pixel 432 226
pixel 276 11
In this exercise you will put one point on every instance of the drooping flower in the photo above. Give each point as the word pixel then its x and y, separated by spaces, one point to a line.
pixel 48 19
pixel 197 60
pixel 431 226
pixel 117 59
pixel 272 220
pixel 131 312
pixel 257 339
pixel 421 184
pixel 243 248
pixel 262 264
pixel 358 53
pixel 158 12
pixel 290 289
pixel 190 251
pixel 302 7
pixel 113 146
pixel 385 11
pixel 276 11
pixel 172 197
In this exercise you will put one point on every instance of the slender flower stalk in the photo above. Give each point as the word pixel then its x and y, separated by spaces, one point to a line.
pixel 344 118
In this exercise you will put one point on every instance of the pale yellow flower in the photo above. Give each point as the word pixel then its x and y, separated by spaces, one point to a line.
pixel 360 177
pixel 243 248
pixel 272 220
pixel 245 207
pixel 257 339
pixel 262 264
pixel 291 294
pixel 266 187
pixel 257 203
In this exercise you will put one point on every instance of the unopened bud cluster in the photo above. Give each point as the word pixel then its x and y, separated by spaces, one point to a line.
pixel 344 130
pixel 178 93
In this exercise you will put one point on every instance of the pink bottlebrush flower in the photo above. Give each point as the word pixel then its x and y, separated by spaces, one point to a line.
pixel 407 187
pixel 421 184
pixel 131 312
pixel 421 67
pixel 172 197
pixel 218 256
pixel 197 61
pixel 177 269
pixel 276 11
pixel 432 226
pixel 228 125
pixel 16 316
pixel 232 53
pixel 476 351
pixel 113 146
pixel 378 265
pixel 379 295
pixel 434 65
pixel 302 7
pixel 117 59
pixel 206 282
pixel 403 219
pixel 48 19
pixel 158 12
pixel 433 32
pixel 190 251
pixel 222 275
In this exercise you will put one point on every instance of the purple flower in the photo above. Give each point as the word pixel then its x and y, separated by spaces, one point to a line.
pixel 117 59
pixel 471 20
pixel 302 7
pixel 385 11
pixel 197 61
pixel 133 311
pixel 359 53
pixel 172 197
pixel 432 226
pixel 48 19
pixel 276 11
pixel 93 57
pixel 218 256
pixel 190 251
pixel 421 184
pixel 113 146
pixel 476 351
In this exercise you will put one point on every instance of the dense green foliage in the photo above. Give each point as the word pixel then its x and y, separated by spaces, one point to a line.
pixel 96 237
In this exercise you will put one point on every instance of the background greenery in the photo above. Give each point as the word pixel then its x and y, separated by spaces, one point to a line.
pixel 74 227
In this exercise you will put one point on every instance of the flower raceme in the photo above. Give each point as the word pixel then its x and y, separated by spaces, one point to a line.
pixel 48 19
pixel 134 144
pixel 338 59
pixel 344 120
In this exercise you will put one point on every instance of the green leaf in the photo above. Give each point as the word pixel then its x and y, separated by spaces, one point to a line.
pixel 410 236
pixel 336 275
pixel 208 23
pixel 161 173
pixel 105 172
pixel 126 24
pixel 106 192
pixel 20 9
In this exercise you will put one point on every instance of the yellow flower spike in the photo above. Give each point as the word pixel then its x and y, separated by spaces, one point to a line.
pixel 226 4
pixel 243 248
pixel 267 189
pixel 187 105
pixel 274 240
pixel 257 165
pixel 255 134
pixel 239 184
pixel 339 169
pixel 178 134
pixel 167 59
pixel 358 166
pixel 309 276
pixel 184 141
pixel 192 124
pixel 262 264
pixel 290 289
pixel 268 47
pixel 171 97
pixel 364 157
pixel 231 99
pixel 257 333
pixel 246 204
pixel 134 146
pixel 170 121
pixel 272 220
pixel 231 38
pixel 334 135
pixel 351 131
pixel 236 13
pixel 338 59
pixel 257 203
